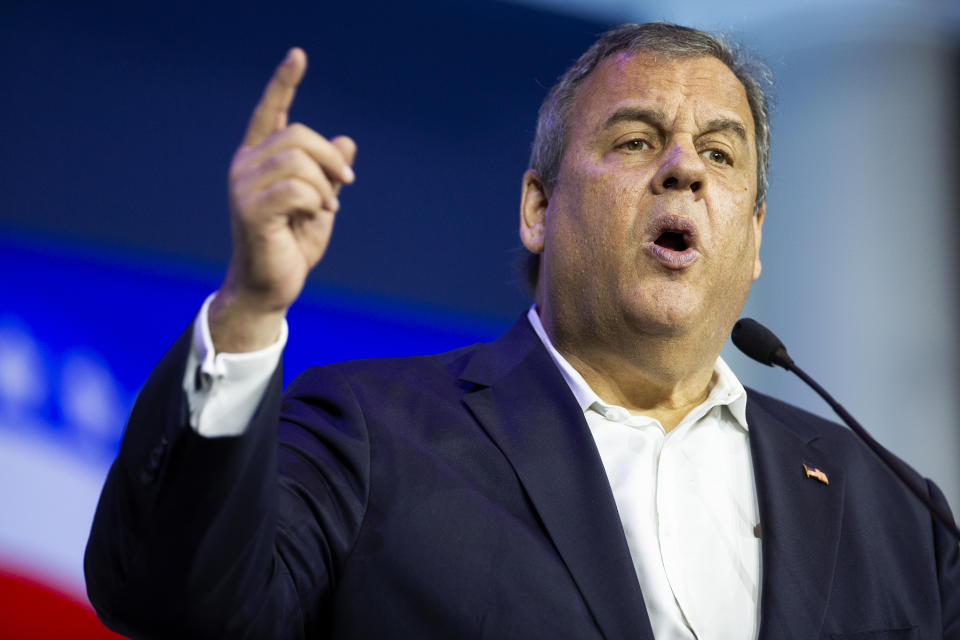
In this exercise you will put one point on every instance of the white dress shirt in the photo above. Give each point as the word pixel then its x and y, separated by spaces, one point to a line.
pixel 687 499
pixel 688 504
pixel 224 389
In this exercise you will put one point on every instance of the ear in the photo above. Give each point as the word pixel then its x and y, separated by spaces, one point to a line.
pixel 533 212
pixel 757 237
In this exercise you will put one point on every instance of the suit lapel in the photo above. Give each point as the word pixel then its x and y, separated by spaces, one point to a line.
pixel 525 406
pixel 800 524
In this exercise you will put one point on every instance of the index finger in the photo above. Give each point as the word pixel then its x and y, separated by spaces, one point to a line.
pixel 270 114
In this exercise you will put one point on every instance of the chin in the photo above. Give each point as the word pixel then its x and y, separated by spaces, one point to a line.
pixel 664 320
pixel 662 310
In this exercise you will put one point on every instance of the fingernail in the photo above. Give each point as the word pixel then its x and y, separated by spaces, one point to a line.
pixel 335 204
pixel 347 174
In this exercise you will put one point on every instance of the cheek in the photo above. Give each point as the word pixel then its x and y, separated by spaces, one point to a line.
pixel 737 185
pixel 598 205
pixel 732 239
pixel 596 211
pixel 731 213
pixel 610 219
pixel 743 250
pixel 741 194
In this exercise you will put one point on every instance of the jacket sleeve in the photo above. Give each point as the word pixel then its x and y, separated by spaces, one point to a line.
pixel 228 537
pixel 948 568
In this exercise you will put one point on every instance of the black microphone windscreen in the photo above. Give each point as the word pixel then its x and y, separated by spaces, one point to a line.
pixel 758 342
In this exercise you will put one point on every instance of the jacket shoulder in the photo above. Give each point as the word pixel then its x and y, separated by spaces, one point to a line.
pixel 827 435
pixel 805 423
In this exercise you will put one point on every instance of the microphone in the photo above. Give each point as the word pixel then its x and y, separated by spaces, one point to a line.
pixel 760 344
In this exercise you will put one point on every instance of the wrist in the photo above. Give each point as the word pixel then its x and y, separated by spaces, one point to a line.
pixel 238 326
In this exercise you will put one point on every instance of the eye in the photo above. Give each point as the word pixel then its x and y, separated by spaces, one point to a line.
pixel 716 157
pixel 635 145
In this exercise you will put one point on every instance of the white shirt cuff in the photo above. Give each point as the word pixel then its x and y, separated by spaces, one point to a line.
pixel 224 389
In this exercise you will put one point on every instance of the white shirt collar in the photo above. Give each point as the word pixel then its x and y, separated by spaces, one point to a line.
pixel 727 390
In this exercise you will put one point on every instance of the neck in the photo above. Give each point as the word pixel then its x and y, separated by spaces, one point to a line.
pixel 663 377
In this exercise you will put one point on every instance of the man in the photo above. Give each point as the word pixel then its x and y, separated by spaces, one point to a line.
pixel 597 471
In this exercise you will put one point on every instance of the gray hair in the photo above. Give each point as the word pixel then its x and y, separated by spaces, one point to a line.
pixel 671 41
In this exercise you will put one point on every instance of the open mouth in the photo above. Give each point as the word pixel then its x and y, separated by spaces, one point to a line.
pixel 673 240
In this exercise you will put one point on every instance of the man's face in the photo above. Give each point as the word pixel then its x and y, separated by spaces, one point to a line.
pixel 650 226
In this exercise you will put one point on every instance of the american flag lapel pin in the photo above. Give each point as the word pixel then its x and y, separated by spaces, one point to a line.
pixel 816 473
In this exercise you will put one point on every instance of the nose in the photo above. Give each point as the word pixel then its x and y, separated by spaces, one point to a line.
pixel 682 169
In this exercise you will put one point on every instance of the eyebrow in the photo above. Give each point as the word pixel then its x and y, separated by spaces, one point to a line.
pixel 727 124
pixel 656 118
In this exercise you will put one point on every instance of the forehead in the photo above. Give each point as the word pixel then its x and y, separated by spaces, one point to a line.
pixel 701 89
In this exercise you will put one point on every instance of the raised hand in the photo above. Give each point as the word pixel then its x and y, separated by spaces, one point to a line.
pixel 283 187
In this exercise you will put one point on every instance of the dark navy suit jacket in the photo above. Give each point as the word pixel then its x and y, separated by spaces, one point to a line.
pixel 462 496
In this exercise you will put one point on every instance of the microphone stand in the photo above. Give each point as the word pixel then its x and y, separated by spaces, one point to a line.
pixel 881 452
pixel 759 343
